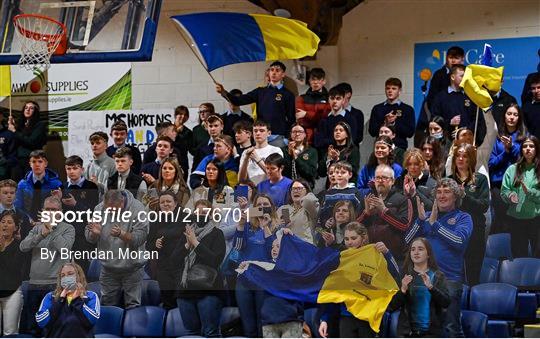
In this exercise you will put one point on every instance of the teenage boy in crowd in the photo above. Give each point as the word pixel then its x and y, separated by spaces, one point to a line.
pixel 214 126
pixel 393 112
pixel 38 184
pixel 164 148
pixel 457 109
pixel 276 186
pixel 441 78
pixel 355 112
pixel 312 106
pixel 102 166
pixel 252 160
pixel 275 103
pixel 343 190
pixel 243 132
pixel 325 131
pixel 119 133
pixel 224 152
pixel 169 130
pixel 79 195
pixel 124 178
pixel 531 109
pixel 233 115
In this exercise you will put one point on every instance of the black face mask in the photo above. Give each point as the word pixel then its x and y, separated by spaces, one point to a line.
pixel 200 223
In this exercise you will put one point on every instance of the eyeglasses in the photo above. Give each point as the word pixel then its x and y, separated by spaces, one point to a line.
pixel 297 132
pixel 382 178
pixel 297 189
pixel 204 111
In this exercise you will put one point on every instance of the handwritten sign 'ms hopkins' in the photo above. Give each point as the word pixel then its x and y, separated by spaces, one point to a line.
pixel 141 128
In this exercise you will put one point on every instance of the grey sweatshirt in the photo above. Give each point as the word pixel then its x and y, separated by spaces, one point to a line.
pixel 45 264
pixel 114 247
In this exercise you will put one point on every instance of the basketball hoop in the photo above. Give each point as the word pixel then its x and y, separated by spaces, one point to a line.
pixel 40 38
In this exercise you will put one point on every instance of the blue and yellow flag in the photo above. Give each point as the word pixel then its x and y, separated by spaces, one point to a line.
pixel 359 278
pixel 5 81
pixel 231 38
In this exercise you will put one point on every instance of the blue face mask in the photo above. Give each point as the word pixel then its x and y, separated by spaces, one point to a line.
pixel 69 282
pixel 438 135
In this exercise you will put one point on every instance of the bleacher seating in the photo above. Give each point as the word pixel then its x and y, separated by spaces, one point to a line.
pixel 144 321
pixel 499 302
pixel 110 322
pixel 474 324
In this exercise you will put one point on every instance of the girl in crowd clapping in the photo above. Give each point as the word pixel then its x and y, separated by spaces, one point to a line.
pixel 341 149
pixel 423 295
pixel 383 153
pixel 433 154
pixel 300 158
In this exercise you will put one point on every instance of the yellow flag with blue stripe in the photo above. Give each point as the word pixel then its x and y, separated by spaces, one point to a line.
pixel 479 80
pixel 5 81
pixel 363 282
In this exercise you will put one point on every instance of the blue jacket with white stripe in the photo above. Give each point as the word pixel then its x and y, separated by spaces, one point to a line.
pixel 63 320
pixel 448 236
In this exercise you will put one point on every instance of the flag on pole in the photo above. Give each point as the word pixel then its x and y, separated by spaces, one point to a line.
pixel 479 80
pixel 487 56
pixel 359 278
pixel 5 81
pixel 229 38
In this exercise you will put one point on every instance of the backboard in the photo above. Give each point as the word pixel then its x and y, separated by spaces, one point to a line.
pixel 97 30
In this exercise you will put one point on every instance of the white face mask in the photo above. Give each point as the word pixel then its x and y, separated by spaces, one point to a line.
pixel 69 282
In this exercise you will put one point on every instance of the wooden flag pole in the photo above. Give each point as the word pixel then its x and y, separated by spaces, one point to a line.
pixel 476 125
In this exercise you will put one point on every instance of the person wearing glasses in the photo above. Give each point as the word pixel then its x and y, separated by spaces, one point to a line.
pixel 200 132
pixel 387 213
pixel 300 158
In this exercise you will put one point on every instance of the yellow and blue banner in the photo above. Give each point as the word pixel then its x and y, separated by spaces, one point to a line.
pixel 479 80
pixel 230 38
pixel 359 278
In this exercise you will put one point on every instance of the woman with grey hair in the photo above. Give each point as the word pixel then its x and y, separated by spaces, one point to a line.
pixel 448 229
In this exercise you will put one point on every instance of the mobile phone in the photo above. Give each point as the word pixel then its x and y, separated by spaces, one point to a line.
pixel 241 191
pixel 255 212
pixel 371 185
pixel 286 215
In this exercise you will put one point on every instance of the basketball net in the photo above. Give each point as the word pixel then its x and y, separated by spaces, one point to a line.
pixel 40 38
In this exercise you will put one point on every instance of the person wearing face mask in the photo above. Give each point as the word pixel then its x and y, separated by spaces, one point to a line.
pixel 423 295
pixel 70 310
pixel 437 129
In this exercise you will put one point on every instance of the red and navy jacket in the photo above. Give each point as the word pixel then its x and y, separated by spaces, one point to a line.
pixel 316 106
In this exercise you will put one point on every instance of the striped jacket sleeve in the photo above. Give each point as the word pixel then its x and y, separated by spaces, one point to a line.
pixel 91 307
pixel 416 230
pixel 45 312
pixel 458 236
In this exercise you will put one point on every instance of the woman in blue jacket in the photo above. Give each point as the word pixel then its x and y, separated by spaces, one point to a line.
pixel 70 310
pixel 505 153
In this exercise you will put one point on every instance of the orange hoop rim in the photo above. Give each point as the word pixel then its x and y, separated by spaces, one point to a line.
pixel 36 35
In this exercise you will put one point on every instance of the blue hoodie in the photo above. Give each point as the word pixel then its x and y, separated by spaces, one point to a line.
pixel 25 191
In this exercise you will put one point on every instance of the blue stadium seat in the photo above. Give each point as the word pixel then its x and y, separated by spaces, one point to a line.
pixel 498 246
pixel 93 270
pixel 474 324
pixel 229 314
pixel 521 272
pixel 144 321
pixel 489 271
pixel 174 326
pixel 498 302
pixel 110 322
pixel 151 294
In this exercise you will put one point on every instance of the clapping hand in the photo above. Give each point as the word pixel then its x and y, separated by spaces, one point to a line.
pixel 434 213
pixel 426 280
pixel 405 283
pixel 421 209
pixel 191 238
